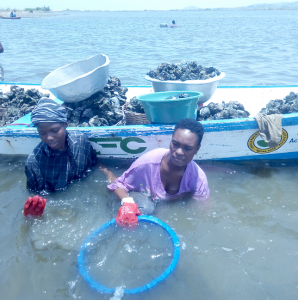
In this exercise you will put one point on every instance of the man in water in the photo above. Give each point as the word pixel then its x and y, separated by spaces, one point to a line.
pixel 1 69
pixel 164 174
pixel 59 158
pixel 174 24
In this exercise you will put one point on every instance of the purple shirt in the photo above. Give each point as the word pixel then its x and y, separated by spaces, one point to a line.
pixel 144 176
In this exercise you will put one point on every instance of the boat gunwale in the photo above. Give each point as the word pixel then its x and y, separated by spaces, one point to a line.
pixel 149 86
pixel 208 125
pixel 154 129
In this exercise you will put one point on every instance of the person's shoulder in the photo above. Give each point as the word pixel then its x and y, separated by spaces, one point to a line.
pixel 77 134
pixel 195 169
pixel 38 149
pixel 152 157
pixel 77 137
pixel 32 159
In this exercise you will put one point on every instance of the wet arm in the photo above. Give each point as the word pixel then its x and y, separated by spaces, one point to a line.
pixel 121 193
pixel 110 175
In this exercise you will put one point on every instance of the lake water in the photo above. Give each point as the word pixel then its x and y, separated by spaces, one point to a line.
pixel 251 47
pixel 240 244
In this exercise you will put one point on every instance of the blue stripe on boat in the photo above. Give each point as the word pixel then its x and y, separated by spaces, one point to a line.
pixel 288 155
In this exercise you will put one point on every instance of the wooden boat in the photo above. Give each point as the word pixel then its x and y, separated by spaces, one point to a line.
pixel 236 139
pixel 15 18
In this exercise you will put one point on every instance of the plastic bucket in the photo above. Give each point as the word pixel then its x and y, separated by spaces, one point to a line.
pixel 160 110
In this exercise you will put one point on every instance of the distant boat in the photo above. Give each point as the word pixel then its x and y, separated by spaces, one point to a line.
pixel 17 18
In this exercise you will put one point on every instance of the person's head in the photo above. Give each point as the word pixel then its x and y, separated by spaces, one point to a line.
pixel 186 141
pixel 53 134
pixel 173 22
pixel 50 119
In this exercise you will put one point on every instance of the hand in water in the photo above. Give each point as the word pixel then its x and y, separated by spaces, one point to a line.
pixel 34 206
pixel 128 215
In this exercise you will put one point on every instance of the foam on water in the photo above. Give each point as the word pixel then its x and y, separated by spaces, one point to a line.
pixel 118 293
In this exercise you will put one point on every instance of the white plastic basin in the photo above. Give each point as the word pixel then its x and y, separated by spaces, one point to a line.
pixel 78 81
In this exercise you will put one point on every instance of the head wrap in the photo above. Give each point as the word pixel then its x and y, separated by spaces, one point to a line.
pixel 48 111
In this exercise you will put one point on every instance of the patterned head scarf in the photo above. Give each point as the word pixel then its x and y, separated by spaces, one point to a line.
pixel 48 111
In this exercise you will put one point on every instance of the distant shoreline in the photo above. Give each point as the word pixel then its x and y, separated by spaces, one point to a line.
pixel 39 14
pixel 35 14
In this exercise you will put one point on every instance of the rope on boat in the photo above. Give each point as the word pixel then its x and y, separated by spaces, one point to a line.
pixel 19 124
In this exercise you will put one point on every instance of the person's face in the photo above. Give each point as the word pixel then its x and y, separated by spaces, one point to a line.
pixel 53 134
pixel 183 147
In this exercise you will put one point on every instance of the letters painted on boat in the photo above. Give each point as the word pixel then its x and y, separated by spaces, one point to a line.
pixel 223 140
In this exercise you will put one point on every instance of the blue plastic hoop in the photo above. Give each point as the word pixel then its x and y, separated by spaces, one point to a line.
pixel 101 288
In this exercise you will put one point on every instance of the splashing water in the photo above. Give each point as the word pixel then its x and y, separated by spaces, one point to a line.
pixel 118 293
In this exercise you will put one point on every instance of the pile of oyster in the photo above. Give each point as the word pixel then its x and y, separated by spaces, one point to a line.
pixel 135 106
pixel 183 71
pixel 220 111
pixel 17 103
pixel 282 106
pixel 104 108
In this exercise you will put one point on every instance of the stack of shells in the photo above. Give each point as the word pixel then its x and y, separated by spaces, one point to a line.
pixel 183 71
pixel 104 108
pixel 220 111
pixel 17 103
pixel 286 106
pixel 135 106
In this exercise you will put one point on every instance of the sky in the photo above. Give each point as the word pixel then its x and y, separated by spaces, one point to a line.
pixel 129 4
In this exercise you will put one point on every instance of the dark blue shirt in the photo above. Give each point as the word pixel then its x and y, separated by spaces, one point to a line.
pixel 48 169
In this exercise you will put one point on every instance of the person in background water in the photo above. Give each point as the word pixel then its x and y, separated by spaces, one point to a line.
pixel 164 174
pixel 174 24
pixel 12 15
pixel 59 158
pixel 1 69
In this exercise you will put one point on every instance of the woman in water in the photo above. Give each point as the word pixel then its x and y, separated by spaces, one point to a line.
pixel 164 174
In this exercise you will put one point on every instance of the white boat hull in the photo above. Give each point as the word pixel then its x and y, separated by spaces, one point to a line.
pixel 236 139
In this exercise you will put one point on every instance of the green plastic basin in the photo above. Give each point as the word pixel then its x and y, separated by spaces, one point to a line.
pixel 161 111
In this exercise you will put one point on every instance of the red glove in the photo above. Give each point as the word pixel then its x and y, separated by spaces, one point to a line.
pixel 128 215
pixel 34 206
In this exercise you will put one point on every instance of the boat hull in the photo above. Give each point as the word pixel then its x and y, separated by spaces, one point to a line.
pixel 16 18
pixel 223 140
pixel 236 139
